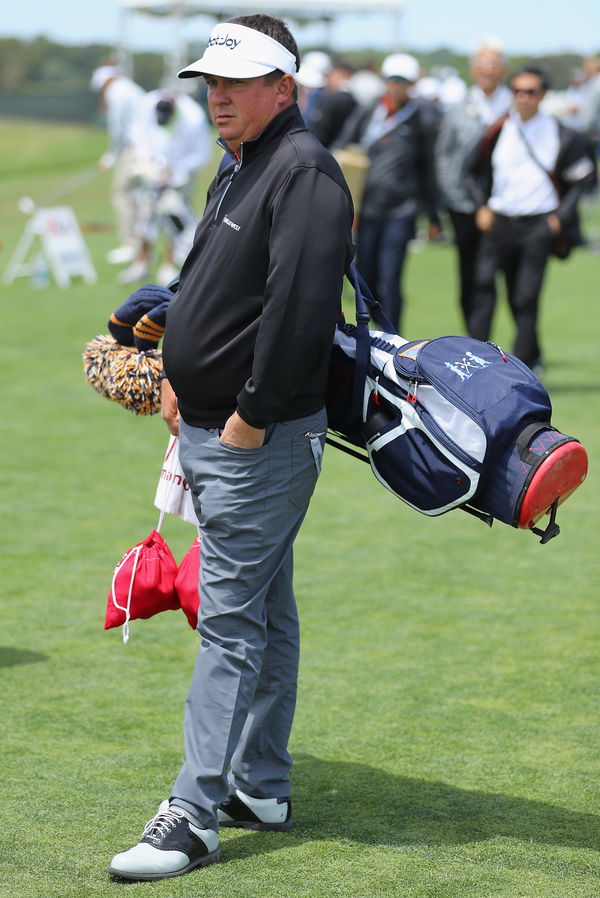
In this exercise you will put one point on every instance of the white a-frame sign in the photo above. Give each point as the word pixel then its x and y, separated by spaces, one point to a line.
pixel 62 244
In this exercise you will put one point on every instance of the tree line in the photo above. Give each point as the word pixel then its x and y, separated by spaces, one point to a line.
pixel 41 66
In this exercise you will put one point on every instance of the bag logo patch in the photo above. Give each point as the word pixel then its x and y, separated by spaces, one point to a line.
pixel 469 366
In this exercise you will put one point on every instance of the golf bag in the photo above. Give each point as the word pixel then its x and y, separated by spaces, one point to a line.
pixel 450 422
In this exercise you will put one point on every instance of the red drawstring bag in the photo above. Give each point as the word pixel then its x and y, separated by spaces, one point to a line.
pixel 143 584
pixel 186 583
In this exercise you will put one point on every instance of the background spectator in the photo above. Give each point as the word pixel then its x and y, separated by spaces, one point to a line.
pixel 398 136
pixel 171 140
pixel 311 79
pixel 527 175
pixel 121 98
pixel 462 126
pixel 333 105
pixel 575 98
pixel 590 112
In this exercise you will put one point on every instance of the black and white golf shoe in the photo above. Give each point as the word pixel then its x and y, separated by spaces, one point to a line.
pixel 266 814
pixel 171 846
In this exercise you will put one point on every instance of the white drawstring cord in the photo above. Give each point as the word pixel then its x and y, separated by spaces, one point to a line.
pixel 135 551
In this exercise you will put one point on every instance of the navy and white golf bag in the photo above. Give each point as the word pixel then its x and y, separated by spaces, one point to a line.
pixel 450 422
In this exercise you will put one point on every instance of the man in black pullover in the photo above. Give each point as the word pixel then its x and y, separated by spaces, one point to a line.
pixel 246 354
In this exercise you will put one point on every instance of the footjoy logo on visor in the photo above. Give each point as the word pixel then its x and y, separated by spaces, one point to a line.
pixel 220 41
pixel 469 366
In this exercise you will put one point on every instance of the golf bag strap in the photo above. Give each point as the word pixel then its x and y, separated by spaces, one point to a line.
pixel 525 437
pixel 367 307
pixel 365 301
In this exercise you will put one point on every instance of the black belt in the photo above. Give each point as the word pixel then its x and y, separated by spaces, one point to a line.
pixel 523 217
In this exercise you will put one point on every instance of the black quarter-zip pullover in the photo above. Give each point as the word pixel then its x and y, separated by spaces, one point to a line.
pixel 251 325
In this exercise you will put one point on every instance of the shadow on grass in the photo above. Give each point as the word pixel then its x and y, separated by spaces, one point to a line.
pixel 553 377
pixel 558 387
pixel 341 800
pixel 10 657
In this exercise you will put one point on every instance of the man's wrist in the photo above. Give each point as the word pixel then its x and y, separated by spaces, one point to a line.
pixel 258 425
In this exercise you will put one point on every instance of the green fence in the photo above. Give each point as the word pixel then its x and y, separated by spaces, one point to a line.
pixel 80 106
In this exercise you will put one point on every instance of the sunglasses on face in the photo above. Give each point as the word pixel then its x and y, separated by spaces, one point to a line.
pixel 528 91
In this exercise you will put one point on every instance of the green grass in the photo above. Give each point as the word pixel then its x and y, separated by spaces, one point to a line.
pixel 446 739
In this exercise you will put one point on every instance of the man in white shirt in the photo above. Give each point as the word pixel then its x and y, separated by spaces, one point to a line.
pixel 121 97
pixel 526 176
pixel 462 127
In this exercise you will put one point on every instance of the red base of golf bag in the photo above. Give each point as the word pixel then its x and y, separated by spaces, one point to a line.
pixel 532 477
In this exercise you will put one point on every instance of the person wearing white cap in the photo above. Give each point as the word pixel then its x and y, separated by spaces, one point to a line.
pixel 312 79
pixel 121 98
pixel 246 355
pixel 334 106
pixel 398 136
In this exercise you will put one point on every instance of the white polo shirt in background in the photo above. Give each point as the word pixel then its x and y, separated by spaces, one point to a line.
pixel 183 145
pixel 520 187
pixel 123 98
pixel 488 108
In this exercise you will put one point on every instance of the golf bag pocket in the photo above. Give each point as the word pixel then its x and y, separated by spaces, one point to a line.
pixel 493 388
pixel 406 457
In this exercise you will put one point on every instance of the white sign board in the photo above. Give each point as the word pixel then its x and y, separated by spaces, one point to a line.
pixel 63 247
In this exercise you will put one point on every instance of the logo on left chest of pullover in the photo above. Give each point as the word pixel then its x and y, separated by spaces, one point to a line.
pixel 231 224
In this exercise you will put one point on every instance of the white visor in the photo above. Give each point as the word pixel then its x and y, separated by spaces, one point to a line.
pixel 235 51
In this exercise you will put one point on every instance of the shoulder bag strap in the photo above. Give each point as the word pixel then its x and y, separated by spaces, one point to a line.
pixel 543 168
pixel 367 307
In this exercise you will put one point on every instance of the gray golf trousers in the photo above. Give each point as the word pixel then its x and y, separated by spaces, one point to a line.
pixel 250 504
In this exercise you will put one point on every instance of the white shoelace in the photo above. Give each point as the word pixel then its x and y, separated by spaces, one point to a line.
pixel 162 823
